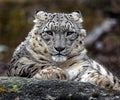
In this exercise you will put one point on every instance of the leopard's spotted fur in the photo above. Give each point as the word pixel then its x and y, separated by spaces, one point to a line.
pixel 54 49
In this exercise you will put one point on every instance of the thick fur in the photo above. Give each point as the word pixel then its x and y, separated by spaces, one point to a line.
pixel 54 49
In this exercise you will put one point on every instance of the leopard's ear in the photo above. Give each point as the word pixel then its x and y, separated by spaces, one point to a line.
pixel 76 15
pixel 40 15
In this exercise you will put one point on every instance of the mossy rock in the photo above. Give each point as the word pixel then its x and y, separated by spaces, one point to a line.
pixel 16 88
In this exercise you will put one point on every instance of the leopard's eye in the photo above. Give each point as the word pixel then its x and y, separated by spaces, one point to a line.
pixel 69 33
pixel 49 32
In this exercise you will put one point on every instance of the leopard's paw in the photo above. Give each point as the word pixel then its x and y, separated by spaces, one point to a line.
pixel 51 73
pixel 100 80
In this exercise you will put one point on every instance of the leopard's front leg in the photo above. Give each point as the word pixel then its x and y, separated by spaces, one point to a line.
pixel 24 67
pixel 51 73
pixel 82 72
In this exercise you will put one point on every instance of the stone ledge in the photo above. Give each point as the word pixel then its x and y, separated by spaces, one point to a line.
pixel 16 88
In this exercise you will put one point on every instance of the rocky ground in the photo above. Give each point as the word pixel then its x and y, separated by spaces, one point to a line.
pixel 31 89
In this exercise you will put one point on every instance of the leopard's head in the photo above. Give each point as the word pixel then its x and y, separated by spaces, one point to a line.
pixel 60 34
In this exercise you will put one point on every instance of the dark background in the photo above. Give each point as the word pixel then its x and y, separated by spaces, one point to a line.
pixel 16 20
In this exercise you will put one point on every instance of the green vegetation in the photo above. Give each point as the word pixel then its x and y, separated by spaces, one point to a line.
pixel 14 89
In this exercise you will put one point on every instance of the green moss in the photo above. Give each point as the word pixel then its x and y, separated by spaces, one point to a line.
pixel 14 89
pixel 95 95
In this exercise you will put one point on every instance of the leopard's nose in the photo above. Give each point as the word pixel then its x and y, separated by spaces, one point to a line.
pixel 59 48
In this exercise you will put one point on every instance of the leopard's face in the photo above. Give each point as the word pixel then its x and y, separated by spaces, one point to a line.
pixel 60 33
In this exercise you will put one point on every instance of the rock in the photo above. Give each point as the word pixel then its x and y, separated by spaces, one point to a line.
pixel 3 48
pixel 16 88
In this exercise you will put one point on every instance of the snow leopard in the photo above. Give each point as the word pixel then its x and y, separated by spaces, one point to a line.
pixel 55 50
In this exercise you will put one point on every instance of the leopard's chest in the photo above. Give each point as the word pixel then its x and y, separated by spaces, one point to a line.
pixel 78 71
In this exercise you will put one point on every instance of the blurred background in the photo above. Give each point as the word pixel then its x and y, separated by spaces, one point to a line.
pixel 101 20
